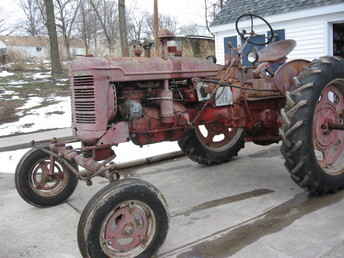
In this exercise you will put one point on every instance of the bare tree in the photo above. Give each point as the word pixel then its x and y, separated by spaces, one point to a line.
pixel 136 27
pixel 3 27
pixel 221 4
pixel 136 22
pixel 206 16
pixel 54 46
pixel 166 22
pixel 191 29
pixel 86 25
pixel 107 15
pixel 67 11
pixel 33 24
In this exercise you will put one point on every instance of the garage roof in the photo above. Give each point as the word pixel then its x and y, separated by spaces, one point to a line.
pixel 234 8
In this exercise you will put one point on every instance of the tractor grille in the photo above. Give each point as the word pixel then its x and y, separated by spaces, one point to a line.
pixel 84 99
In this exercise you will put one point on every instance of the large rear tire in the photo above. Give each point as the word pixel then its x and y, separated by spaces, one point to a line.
pixel 314 153
pixel 125 219
pixel 212 144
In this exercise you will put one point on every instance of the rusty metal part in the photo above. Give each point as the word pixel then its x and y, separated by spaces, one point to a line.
pixel 116 134
pixel 67 155
pixel 128 230
pixel 217 136
pixel 166 104
pixel 94 104
pixel 225 84
pixel 333 126
pixel 260 88
pixel 169 101
pixel 131 110
pixel 151 129
pixel 47 181
pixel 328 129
pixel 285 74
pixel 145 69
pixel 57 157
pixel 95 85
pixel 276 50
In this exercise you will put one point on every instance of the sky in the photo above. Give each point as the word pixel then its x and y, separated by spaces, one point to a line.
pixel 185 11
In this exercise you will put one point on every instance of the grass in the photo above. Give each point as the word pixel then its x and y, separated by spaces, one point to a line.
pixel 8 112
pixel 26 88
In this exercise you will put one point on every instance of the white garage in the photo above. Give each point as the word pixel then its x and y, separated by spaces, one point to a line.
pixel 316 25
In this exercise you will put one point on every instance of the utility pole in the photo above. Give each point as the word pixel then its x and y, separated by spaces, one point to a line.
pixel 156 27
pixel 123 28
pixel 56 67
pixel 214 11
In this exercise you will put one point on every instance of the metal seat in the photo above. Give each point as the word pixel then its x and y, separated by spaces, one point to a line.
pixel 276 51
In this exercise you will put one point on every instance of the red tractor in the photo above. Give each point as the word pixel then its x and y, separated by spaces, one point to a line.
pixel 211 110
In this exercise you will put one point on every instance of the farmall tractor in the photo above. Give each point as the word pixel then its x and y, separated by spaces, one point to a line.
pixel 211 110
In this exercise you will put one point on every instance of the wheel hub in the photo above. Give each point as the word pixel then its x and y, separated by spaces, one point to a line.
pixel 328 138
pixel 216 136
pixel 325 114
pixel 47 178
pixel 127 230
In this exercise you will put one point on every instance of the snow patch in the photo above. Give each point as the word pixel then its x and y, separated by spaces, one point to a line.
pixel 49 117
pixel 9 160
pixel 31 103
pixel 5 74
pixel 39 76
pixel 15 83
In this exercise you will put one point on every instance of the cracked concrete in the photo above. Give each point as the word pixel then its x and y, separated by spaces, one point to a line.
pixel 246 208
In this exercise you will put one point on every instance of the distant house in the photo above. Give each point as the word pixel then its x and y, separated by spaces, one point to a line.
pixel 38 47
pixel 187 46
pixel 196 46
pixel 316 25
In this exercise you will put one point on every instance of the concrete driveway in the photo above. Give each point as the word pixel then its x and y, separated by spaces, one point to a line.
pixel 248 207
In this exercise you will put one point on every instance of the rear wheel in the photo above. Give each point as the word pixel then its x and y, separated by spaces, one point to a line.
pixel 312 144
pixel 212 144
pixel 125 219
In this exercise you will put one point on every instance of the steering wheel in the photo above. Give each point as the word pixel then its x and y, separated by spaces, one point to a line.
pixel 243 34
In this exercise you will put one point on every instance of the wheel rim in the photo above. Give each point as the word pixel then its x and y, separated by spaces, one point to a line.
pixel 217 137
pixel 328 143
pixel 48 182
pixel 128 230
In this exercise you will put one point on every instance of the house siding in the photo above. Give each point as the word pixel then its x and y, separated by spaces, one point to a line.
pixel 30 51
pixel 311 34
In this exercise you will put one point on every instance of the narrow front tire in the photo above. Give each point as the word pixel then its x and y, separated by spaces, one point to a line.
pixel 43 182
pixel 127 219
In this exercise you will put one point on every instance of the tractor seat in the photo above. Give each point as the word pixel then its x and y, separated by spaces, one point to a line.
pixel 276 50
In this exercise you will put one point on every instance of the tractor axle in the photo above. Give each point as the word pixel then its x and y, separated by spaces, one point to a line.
pixel 333 126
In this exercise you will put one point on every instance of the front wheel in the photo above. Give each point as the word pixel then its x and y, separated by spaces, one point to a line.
pixel 125 219
pixel 42 181
pixel 312 133
pixel 212 143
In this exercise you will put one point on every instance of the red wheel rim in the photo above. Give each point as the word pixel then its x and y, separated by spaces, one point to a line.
pixel 128 230
pixel 328 143
pixel 47 178
pixel 217 137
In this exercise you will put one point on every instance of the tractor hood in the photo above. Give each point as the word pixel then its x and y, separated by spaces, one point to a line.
pixel 142 68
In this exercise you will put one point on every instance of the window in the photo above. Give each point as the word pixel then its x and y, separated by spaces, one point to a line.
pixel 278 35
pixel 228 51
